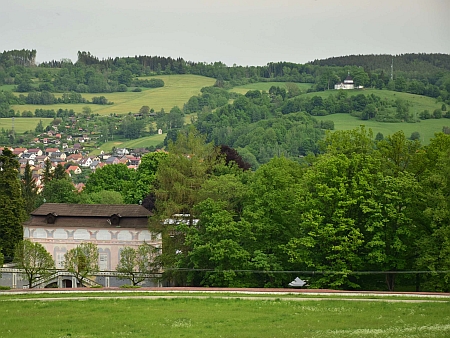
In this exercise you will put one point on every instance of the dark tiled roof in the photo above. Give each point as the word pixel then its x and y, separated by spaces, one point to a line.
pixel 92 210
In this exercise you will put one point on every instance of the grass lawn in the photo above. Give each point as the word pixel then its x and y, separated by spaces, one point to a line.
pixel 212 317
pixel 142 142
pixel 266 86
pixel 426 128
pixel 23 124
pixel 176 91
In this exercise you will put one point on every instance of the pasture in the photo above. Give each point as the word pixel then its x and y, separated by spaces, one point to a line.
pixel 176 91
pixel 23 124
pixel 426 128
pixel 217 317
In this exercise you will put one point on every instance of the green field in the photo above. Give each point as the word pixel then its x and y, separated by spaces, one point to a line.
pixel 23 124
pixel 214 317
pixel 426 128
pixel 142 142
pixel 7 87
pixel 176 92
pixel 266 86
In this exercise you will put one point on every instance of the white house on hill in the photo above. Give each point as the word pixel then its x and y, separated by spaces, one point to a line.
pixel 347 84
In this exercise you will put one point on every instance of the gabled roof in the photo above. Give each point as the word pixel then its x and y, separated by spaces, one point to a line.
pixel 91 210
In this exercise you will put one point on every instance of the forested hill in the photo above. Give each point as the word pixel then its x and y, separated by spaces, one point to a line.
pixel 403 62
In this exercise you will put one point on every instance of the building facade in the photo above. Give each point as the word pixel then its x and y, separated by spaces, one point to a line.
pixel 60 227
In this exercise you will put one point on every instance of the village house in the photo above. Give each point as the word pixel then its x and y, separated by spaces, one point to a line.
pixel 35 151
pixel 50 151
pixel 112 160
pixel 85 162
pixel 41 159
pixel 19 151
pixel 74 158
pixel 73 169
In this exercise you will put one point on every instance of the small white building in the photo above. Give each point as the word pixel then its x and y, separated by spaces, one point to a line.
pixel 347 84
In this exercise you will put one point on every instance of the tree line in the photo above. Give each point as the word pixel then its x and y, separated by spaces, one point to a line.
pixel 360 214
pixel 357 215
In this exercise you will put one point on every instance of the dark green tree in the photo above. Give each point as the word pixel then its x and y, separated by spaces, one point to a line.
pixel 60 191
pixel 113 177
pixel 29 189
pixel 12 204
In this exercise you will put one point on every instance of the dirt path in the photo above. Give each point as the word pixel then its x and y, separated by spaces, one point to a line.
pixel 290 299
pixel 248 294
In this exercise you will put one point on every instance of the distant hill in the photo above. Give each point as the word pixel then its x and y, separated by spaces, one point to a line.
pixel 403 62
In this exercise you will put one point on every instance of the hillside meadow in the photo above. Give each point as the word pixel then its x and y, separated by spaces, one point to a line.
pixel 23 124
pixel 215 317
pixel 176 91
pixel 418 103
pixel 142 142
pixel 426 128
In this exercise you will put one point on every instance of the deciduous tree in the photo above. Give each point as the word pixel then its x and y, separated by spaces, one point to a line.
pixel 82 261
pixel 35 260
pixel 137 264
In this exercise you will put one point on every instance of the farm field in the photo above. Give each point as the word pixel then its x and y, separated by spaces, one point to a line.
pixel 266 86
pixel 23 124
pixel 176 91
pixel 215 317
pixel 426 128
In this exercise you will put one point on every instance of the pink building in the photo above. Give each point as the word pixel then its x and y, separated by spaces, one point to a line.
pixel 60 227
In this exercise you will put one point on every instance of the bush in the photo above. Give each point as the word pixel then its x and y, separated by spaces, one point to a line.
pixel 137 90
pixel 122 88
pixel 5 288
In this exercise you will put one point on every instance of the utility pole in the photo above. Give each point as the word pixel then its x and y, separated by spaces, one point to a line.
pixel 392 69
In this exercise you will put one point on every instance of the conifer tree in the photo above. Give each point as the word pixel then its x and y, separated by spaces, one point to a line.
pixel 178 181
pixel 29 189
pixel 12 204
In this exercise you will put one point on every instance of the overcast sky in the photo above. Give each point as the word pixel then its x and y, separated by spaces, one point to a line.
pixel 242 32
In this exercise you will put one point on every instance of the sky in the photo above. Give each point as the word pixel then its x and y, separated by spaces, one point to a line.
pixel 241 32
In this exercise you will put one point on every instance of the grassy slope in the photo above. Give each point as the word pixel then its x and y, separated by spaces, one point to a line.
pixel 426 128
pixel 23 124
pixel 142 142
pixel 176 91
pixel 222 318
pixel 418 102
